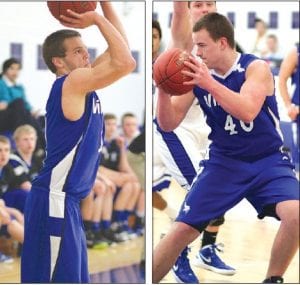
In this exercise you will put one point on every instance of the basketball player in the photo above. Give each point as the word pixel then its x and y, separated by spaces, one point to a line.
pixel 182 149
pixel 245 158
pixel 54 245
pixel 290 67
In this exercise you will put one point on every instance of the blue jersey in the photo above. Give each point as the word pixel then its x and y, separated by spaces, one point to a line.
pixel 232 137
pixel 296 81
pixel 73 147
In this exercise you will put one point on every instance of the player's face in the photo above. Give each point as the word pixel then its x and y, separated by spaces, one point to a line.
pixel 13 72
pixel 200 8
pixel 76 54
pixel 155 42
pixel 26 143
pixel 4 153
pixel 110 128
pixel 130 126
pixel 207 49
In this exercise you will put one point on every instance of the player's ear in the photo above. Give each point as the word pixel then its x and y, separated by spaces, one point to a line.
pixel 223 43
pixel 58 62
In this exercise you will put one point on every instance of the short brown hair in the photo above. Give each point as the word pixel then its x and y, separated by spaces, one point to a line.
pixel 109 116
pixel 54 46
pixel 218 26
pixel 127 115
pixel 5 140
pixel 156 25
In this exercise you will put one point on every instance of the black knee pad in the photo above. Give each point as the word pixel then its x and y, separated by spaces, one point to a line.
pixel 217 222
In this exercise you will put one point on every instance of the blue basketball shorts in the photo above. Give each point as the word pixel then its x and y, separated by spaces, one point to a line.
pixel 54 248
pixel 223 182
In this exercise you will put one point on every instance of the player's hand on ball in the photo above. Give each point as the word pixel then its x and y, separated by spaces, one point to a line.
pixel 78 21
pixel 199 73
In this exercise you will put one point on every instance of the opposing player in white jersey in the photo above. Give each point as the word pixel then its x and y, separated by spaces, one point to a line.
pixel 182 149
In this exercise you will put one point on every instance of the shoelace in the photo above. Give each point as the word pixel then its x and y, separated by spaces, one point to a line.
pixel 218 246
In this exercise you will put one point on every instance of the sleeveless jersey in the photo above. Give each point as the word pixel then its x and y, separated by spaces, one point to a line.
pixel 110 155
pixel 73 147
pixel 296 81
pixel 232 137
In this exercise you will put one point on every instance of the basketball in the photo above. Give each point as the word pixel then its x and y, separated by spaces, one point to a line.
pixel 167 72
pixel 58 8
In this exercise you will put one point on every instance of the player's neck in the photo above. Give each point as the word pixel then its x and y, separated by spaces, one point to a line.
pixel 227 62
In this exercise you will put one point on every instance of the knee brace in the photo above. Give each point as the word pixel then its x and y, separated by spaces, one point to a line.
pixel 217 222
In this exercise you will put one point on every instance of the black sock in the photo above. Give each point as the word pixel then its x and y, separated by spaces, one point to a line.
pixel 208 238
pixel 87 225
pixel 274 279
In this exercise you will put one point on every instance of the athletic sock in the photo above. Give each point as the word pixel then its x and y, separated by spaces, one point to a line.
pixel 118 216
pixel 208 238
pixel 87 225
pixel 105 224
pixel 95 226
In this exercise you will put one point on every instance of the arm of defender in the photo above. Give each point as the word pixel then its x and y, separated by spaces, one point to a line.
pixel 287 68
pixel 181 27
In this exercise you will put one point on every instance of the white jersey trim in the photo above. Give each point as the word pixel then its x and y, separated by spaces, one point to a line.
pixel 54 245
pixel 58 178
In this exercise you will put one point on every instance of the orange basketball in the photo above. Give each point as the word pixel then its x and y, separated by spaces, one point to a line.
pixel 58 8
pixel 167 72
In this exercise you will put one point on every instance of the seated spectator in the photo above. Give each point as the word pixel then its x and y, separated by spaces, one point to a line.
pixel 91 208
pixel 136 159
pixel 130 127
pixel 260 44
pixel 25 160
pixel 10 184
pixel 11 225
pixel 115 167
pixel 11 222
pixel 273 49
pixel 273 54
pixel 15 110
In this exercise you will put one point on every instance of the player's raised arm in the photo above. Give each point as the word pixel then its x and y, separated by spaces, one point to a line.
pixel 181 27
pixel 116 62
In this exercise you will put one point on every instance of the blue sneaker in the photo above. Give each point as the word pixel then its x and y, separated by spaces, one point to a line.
pixel 207 258
pixel 182 270
pixel 5 258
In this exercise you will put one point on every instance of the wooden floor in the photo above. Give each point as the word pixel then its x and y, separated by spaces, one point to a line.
pixel 120 255
pixel 247 243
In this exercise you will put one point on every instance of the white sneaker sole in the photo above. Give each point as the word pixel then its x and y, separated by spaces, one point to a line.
pixel 198 262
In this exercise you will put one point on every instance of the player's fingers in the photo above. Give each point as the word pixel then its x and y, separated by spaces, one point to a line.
pixel 69 20
pixel 190 65
pixel 73 14
pixel 188 73
pixel 193 60
pixel 191 82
